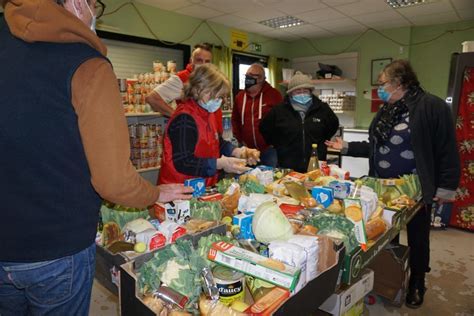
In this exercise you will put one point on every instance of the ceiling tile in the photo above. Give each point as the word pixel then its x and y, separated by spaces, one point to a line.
pixel 200 12
pixel 254 27
pixel 426 9
pixel 320 15
pixel 230 20
pixel 349 30
pixel 363 7
pixel 227 6
pixel 335 3
pixel 309 31
pixel 382 25
pixel 273 33
pixel 463 4
pixel 435 18
pixel 257 13
pixel 378 16
pixel 344 22
pixel 290 7
pixel 467 14
pixel 169 5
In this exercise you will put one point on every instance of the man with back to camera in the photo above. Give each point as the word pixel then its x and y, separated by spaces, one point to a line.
pixel 251 105
pixel 172 89
pixel 66 135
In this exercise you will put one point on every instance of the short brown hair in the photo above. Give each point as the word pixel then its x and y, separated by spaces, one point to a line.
pixel 401 72
pixel 206 78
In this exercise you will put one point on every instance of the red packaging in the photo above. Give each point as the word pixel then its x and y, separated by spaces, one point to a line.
pixel 211 197
pixel 179 232
pixel 159 211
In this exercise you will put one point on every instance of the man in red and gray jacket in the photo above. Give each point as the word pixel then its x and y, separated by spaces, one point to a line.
pixel 250 107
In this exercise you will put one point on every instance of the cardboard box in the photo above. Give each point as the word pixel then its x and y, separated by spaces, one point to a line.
pixel 303 303
pixel 391 273
pixel 341 302
pixel 357 260
pixel 248 262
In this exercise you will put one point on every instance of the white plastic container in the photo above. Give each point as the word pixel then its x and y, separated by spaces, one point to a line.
pixel 468 46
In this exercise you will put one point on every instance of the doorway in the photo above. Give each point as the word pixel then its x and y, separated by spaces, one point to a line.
pixel 240 64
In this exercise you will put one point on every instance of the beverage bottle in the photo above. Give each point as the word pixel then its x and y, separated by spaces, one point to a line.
pixel 313 160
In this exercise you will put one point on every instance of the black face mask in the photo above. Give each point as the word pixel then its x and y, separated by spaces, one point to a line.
pixel 250 81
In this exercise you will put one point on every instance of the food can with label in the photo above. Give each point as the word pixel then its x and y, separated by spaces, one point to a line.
pixel 134 142
pixel 231 284
pixel 135 153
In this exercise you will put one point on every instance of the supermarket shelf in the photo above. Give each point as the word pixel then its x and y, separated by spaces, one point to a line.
pixel 143 114
pixel 148 169
pixel 321 81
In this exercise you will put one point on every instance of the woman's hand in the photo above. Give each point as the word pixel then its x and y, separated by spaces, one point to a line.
pixel 251 155
pixel 232 165
pixel 337 144
pixel 174 191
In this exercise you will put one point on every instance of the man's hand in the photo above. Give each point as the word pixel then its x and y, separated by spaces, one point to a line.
pixel 252 156
pixel 175 191
pixel 232 165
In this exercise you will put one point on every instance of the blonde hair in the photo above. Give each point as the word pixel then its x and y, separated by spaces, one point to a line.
pixel 204 79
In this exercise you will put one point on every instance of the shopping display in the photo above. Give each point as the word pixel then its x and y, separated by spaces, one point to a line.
pixel 279 229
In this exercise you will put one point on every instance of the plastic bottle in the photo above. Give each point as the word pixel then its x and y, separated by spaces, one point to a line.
pixel 313 160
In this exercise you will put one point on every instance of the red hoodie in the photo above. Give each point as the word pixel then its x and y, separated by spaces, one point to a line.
pixel 245 126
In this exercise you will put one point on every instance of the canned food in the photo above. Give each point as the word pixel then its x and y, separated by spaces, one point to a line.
pixel 142 130
pixel 137 163
pixel 152 143
pixel 122 83
pixel 144 153
pixel 153 152
pixel 132 130
pixel 145 163
pixel 144 143
pixel 230 283
pixel 135 153
pixel 152 162
pixel 152 130
pixel 134 142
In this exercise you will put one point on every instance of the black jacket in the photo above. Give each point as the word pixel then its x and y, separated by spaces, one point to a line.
pixel 292 138
pixel 433 141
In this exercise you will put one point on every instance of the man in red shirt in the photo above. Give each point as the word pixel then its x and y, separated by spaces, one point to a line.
pixel 251 105
pixel 172 89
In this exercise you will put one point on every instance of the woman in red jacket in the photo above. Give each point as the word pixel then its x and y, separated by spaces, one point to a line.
pixel 192 145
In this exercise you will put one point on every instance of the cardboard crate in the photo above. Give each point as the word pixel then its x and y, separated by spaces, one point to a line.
pixel 341 302
pixel 391 273
pixel 107 266
pixel 357 260
pixel 304 302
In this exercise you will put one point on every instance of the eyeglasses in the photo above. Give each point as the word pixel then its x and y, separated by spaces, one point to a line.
pixel 99 8
pixel 381 84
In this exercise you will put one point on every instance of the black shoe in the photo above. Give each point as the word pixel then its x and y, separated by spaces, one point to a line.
pixel 415 296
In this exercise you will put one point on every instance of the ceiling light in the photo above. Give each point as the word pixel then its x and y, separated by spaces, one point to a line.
pixel 405 3
pixel 282 22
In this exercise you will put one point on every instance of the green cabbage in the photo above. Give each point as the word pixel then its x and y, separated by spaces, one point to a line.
pixel 269 223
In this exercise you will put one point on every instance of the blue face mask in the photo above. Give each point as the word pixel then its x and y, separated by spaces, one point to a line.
pixel 383 94
pixel 302 99
pixel 212 105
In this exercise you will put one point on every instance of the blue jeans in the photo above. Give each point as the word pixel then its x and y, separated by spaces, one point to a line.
pixel 269 157
pixel 57 287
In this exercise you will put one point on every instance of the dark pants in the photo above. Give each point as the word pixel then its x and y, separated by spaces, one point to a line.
pixel 418 235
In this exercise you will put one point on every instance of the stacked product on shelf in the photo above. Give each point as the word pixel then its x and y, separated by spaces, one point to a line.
pixel 146 145
pixel 134 90
pixel 339 102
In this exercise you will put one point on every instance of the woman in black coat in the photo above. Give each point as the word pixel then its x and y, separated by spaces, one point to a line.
pixel 301 120
pixel 413 132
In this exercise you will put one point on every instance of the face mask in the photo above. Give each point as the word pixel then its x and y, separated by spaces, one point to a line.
pixel 250 81
pixel 93 21
pixel 212 105
pixel 383 94
pixel 303 99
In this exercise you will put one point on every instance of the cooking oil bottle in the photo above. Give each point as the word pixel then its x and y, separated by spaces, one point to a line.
pixel 313 160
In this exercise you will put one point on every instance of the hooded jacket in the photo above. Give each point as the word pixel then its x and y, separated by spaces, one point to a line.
pixel 246 116
pixel 95 97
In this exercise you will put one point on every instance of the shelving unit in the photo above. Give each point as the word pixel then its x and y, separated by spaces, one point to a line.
pixel 148 169
pixel 157 114
pixel 325 81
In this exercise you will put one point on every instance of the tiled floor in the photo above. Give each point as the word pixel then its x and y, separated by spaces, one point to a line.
pixel 450 283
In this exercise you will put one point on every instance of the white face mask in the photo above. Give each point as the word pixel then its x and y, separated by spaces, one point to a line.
pixel 93 20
